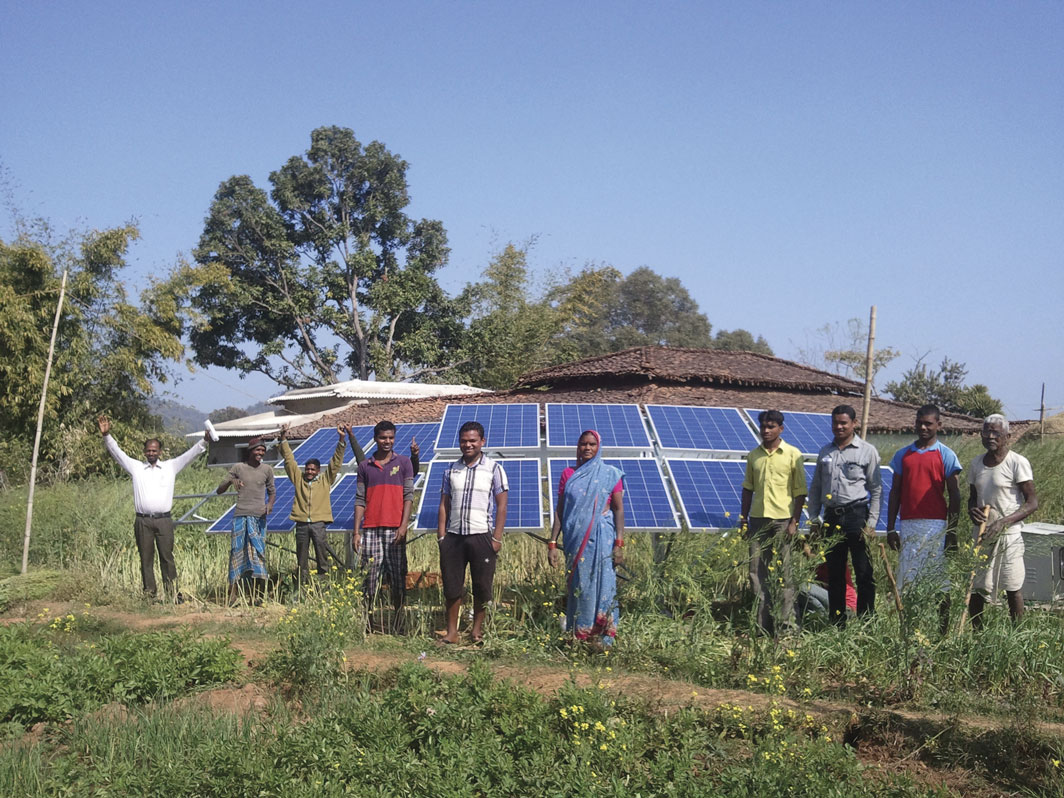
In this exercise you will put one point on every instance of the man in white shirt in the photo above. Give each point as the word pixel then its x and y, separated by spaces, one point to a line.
pixel 153 498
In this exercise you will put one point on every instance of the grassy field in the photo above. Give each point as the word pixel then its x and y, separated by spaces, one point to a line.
pixel 689 702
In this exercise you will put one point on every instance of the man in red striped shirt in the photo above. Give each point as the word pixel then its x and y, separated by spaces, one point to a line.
pixel 383 500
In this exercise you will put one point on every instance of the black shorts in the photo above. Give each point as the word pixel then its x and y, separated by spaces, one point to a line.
pixel 476 550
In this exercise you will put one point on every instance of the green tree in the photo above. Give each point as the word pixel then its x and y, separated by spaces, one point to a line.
pixel 325 272
pixel 110 352
pixel 651 310
pixel 510 331
pixel 944 387
pixel 741 340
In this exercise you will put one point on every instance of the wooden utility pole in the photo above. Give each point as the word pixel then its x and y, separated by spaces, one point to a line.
pixel 866 407
pixel 40 424
pixel 1042 416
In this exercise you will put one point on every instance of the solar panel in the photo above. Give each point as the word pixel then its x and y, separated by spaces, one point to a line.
pixel 322 445
pixel 524 502
pixel 506 426
pixel 425 435
pixel 277 521
pixel 621 426
pixel 647 504
pixel 887 477
pixel 807 432
pixel 342 498
pixel 712 429
pixel 710 491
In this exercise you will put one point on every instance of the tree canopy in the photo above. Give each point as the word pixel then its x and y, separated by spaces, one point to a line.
pixel 944 387
pixel 326 272
pixel 514 329
pixel 110 352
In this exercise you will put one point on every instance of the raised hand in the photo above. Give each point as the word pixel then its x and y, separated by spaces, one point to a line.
pixel 104 423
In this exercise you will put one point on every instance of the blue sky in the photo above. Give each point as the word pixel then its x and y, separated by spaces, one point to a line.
pixel 793 164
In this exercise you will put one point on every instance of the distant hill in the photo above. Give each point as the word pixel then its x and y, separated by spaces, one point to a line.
pixel 180 419
pixel 177 418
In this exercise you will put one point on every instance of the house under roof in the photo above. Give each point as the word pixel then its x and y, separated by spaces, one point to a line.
pixel 669 375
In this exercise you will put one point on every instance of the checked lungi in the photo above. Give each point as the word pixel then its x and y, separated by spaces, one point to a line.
pixel 383 557
pixel 247 551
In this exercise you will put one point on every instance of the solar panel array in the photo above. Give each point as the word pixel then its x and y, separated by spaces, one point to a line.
pixel 424 434
pixel 524 508
pixel 322 445
pixel 506 426
pixel 710 429
pixel 277 521
pixel 808 432
pixel 709 490
pixel 647 503
pixel 620 426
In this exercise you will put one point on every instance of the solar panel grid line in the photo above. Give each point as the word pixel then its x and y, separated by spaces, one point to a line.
pixel 808 432
pixel 647 502
pixel 506 426
pixel 701 429
pixel 524 498
pixel 620 426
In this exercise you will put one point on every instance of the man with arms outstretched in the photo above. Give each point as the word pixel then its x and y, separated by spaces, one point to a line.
pixel 153 499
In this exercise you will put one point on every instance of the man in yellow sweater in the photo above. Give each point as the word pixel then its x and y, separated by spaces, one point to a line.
pixel 312 507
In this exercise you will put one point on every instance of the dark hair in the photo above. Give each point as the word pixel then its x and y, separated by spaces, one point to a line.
pixel 845 410
pixel 774 416
pixel 314 461
pixel 383 426
pixel 472 426
pixel 928 410
pixel 156 441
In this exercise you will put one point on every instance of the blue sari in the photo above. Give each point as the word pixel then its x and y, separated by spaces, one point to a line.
pixel 588 533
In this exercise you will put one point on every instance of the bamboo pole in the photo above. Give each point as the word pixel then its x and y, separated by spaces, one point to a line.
pixel 971 580
pixel 867 404
pixel 1042 416
pixel 40 425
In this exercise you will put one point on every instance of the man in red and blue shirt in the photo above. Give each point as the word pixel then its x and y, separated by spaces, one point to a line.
pixel 383 500
pixel 925 472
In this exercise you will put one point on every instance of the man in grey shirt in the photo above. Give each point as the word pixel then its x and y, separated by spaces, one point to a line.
pixel 847 487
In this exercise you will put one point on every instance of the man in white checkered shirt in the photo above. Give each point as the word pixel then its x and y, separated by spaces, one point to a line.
pixel 471 520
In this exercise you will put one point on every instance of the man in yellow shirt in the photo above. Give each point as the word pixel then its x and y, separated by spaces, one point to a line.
pixel 773 497
pixel 312 504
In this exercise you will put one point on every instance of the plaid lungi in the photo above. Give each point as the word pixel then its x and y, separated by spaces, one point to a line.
pixel 247 550
pixel 382 556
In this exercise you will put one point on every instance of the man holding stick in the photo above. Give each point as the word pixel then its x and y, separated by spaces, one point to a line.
pixel 847 486
pixel 153 499
pixel 1002 480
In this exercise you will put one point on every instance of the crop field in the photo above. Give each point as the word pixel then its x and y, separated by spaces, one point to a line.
pixel 105 693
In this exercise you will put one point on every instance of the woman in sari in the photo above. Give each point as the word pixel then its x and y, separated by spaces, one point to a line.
pixel 590 520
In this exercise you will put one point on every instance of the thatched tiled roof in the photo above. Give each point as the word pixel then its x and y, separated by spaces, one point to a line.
pixel 676 365
pixel 886 415
pixel 669 376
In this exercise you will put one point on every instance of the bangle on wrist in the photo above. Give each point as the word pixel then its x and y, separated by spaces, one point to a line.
pixel 618 544
pixel 552 545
